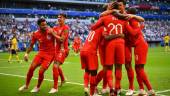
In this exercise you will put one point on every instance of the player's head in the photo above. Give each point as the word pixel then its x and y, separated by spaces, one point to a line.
pixel 42 24
pixel 122 4
pixel 132 11
pixel 61 18
pixel 110 6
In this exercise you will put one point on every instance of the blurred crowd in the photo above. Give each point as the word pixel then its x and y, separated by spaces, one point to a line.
pixel 154 30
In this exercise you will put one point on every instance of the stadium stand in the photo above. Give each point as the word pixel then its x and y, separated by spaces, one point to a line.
pixel 22 16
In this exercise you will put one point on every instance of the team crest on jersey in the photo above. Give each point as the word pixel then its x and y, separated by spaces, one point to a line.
pixel 48 37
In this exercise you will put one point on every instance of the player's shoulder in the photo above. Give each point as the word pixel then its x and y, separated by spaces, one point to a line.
pixel 35 32
pixel 101 28
pixel 66 26
pixel 107 17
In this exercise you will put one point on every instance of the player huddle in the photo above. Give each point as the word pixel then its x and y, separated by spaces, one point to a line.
pixel 115 34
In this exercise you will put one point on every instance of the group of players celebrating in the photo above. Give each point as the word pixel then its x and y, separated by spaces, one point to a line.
pixel 53 46
pixel 114 35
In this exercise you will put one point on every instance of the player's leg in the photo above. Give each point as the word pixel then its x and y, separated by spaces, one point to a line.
pixel 140 60
pixel 86 81
pixel 141 72
pixel 36 62
pixel 10 56
pixel 55 77
pixel 118 77
pixel 166 47
pixel 40 79
pixel 129 69
pixel 119 60
pixel 93 74
pixel 109 77
pixel 63 80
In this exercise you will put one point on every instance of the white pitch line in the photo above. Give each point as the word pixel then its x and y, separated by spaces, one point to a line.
pixel 164 91
pixel 12 67
pixel 75 83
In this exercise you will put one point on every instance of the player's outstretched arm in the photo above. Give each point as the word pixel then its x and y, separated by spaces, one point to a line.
pixel 138 18
pixel 113 36
pixel 29 49
pixel 97 24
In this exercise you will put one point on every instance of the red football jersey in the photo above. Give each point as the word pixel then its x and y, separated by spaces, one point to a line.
pixel 112 24
pixel 62 31
pixel 46 41
pixel 93 39
pixel 134 33
pixel 77 41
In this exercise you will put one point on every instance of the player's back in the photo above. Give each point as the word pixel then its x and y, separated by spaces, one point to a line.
pixel 93 39
pixel 114 25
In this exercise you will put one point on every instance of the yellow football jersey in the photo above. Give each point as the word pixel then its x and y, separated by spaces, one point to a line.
pixel 14 44
pixel 166 39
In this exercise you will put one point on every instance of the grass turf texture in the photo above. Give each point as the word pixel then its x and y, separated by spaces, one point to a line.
pixel 12 75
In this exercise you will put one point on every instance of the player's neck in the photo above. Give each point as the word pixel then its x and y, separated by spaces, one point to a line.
pixel 61 24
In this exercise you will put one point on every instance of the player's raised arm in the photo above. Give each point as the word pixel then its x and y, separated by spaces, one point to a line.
pixel 54 33
pixel 114 36
pixel 97 24
pixel 138 18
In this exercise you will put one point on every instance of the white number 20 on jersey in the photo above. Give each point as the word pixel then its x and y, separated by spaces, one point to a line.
pixel 115 27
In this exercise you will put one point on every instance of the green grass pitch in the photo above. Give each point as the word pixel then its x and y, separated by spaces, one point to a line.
pixel 12 75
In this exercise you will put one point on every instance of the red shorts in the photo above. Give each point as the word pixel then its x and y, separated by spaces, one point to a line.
pixel 128 54
pixel 43 59
pixel 141 51
pixel 89 60
pixel 60 56
pixel 115 52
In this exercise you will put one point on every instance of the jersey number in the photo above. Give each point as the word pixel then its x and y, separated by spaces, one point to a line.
pixel 117 28
pixel 90 36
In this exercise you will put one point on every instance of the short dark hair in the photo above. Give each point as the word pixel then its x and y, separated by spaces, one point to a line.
pixel 115 5
pixel 124 1
pixel 132 11
pixel 63 14
pixel 40 21
pixel 104 7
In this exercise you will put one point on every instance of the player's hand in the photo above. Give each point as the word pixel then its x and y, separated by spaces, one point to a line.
pixel 122 35
pixel 26 57
pixel 130 16
pixel 50 30
pixel 61 39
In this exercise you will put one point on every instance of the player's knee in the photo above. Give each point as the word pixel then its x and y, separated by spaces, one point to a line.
pixel 119 77
pixel 87 71
pixel 93 72
pixel 128 66
pixel 118 66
